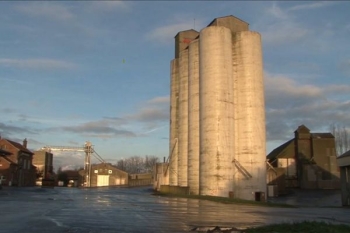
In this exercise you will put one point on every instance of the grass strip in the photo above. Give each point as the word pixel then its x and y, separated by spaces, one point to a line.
pixel 301 227
pixel 225 200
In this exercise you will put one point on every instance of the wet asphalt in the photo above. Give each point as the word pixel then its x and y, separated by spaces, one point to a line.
pixel 95 210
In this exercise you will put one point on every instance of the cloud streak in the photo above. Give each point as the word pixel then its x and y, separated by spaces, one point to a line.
pixel 100 129
pixel 155 110
pixel 311 6
pixel 37 64
pixel 9 130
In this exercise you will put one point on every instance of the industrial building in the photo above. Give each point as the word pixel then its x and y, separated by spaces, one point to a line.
pixel 217 116
pixel 43 160
pixel 344 164
pixel 308 161
pixel 105 174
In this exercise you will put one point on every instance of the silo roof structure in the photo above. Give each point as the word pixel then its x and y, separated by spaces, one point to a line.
pixel 233 23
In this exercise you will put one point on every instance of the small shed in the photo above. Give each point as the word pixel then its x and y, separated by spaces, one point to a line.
pixel 344 164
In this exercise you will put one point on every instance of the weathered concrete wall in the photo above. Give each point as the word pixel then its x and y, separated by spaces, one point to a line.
pixel 183 120
pixel 160 175
pixel 174 122
pixel 216 137
pixel 324 155
pixel 193 118
pixel 174 189
pixel 249 114
pixel 183 39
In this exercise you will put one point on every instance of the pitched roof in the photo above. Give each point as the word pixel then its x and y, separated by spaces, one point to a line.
pixel 9 160
pixel 227 16
pixel 346 154
pixel 20 147
pixel 302 128
pixel 189 30
pixel 273 154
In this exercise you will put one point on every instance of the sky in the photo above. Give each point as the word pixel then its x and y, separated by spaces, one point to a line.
pixel 99 71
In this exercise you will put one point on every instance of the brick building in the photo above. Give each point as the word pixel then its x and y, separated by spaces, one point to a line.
pixel 17 167
pixel 307 161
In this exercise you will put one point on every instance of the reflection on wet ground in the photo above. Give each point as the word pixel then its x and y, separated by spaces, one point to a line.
pixel 136 210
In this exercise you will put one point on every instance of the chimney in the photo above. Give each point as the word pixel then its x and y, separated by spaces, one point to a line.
pixel 25 143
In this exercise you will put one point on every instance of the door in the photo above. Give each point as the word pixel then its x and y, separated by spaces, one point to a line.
pixel 102 180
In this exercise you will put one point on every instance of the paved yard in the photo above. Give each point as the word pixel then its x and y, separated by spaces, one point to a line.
pixel 110 210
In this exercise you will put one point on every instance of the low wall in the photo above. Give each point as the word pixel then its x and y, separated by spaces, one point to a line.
pixel 174 190
pixel 140 182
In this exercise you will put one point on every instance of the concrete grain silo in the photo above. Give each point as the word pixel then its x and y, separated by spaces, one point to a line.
pixel 216 139
pixel 183 119
pixel 217 125
pixel 182 40
pixel 173 134
pixel 249 150
pixel 193 117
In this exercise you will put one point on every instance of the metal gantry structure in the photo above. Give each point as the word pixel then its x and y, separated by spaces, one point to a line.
pixel 88 149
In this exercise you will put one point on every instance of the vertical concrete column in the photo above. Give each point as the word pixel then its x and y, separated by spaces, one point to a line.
pixel 193 117
pixel 215 96
pixel 174 126
pixel 183 119
pixel 250 138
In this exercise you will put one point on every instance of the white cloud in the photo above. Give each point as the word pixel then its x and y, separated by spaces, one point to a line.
pixel 284 32
pixel 277 27
pixel 160 100
pixel 313 5
pixel 101 129
pixel 290 104
pixel 154 110
pixel 48 10
pixel 277 12
pixel 165 34
pixel 41 64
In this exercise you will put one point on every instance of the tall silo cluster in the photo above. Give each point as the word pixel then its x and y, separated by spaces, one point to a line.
pixel 217 125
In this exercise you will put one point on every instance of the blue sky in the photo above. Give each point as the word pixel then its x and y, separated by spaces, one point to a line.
pixel 99 71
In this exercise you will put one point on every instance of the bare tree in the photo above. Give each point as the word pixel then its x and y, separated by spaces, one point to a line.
pixel 150 161
pixel 137 164
pixel 341 135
